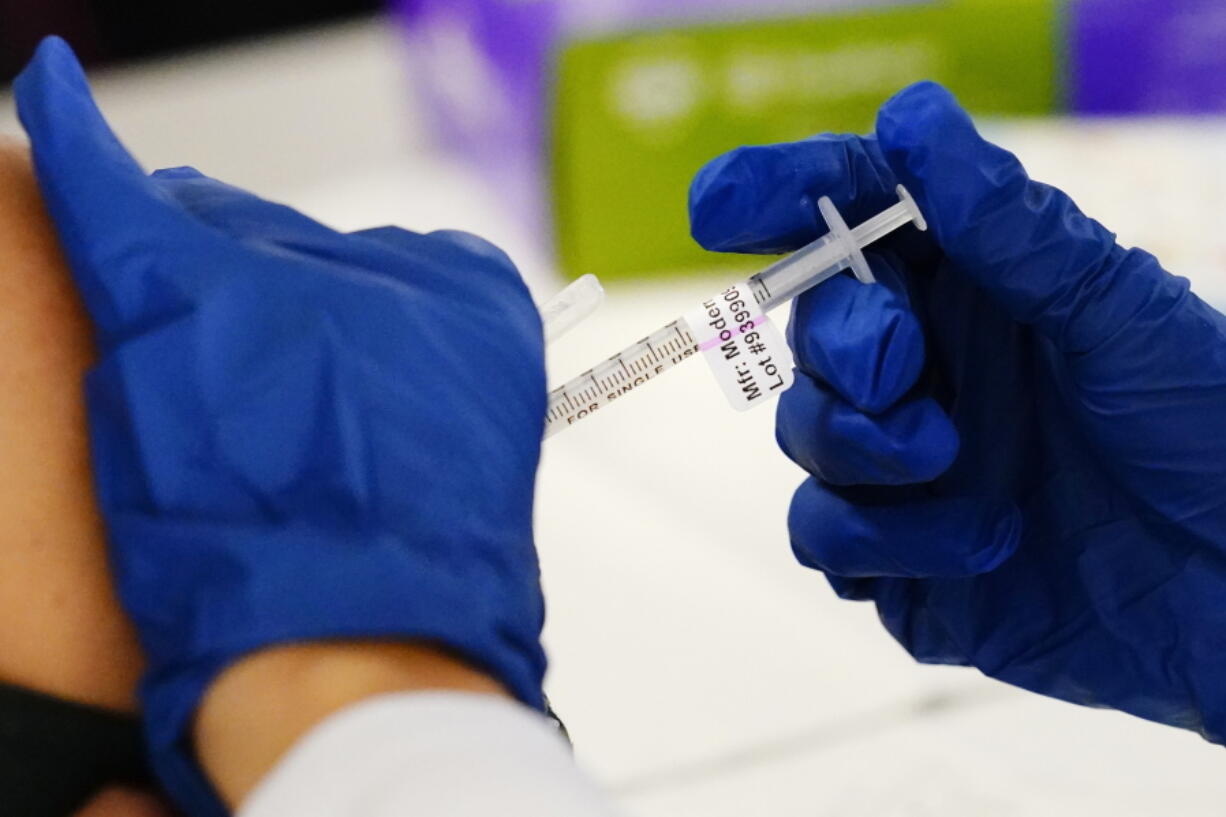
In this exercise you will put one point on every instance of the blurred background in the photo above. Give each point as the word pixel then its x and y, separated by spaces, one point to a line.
pixel 701 672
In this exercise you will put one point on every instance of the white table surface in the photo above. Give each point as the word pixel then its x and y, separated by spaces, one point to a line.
pixel 701 671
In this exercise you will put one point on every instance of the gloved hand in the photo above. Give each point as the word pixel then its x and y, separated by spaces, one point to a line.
pixel 298 434
pixel 1017 440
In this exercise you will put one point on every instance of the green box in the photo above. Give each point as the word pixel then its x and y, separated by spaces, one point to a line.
pixel 634 115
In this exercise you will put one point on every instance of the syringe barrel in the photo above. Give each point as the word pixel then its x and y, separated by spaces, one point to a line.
pixel 617 376
pixel 802 270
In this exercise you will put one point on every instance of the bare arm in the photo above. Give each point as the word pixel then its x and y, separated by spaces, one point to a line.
pixel 61 628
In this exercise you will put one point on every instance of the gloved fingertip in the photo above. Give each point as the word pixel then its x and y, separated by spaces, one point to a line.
pixel 926 445
pixel 913 443
pixel 720 191
pixel 54 57
pixel 763 198
pixel 863 340
pixel 757 199
pixel 899 359
pixel 920 95
pixel 931 144
pixel 71 141
pixel 918 114
pixel 30 82
pixel 53 74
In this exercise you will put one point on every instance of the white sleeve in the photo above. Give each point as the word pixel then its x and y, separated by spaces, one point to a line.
pixel 434 754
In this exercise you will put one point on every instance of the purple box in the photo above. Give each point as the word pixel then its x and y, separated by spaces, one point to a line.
pixel 488 65
pixel 1148 56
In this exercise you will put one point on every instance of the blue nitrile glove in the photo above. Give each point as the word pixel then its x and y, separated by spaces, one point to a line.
pixel 1017 439
pixel 298 434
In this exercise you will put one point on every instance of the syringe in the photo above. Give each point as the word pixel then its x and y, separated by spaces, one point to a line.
pixel 642 361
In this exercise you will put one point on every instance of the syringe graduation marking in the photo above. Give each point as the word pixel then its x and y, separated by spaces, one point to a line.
pixel 621 374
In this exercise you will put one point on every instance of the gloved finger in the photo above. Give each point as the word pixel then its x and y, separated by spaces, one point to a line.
pixel 1025 243
pixel 494 271
pixel 103 204
pixel 472 245
pixel 914 537
pixel 457 249
pixel 245 216
pixel 863 341
pixel 491 256
pixel 763 199
pixel 241 214
pixel 913 442
pixel 476 245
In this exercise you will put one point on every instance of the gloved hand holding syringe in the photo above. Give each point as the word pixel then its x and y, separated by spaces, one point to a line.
pixel 747 353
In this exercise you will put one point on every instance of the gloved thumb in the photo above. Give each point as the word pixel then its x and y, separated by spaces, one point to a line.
pixel 1025 243
pixel 103 205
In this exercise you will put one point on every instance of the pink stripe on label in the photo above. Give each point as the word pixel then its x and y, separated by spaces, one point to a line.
pixel 752 325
